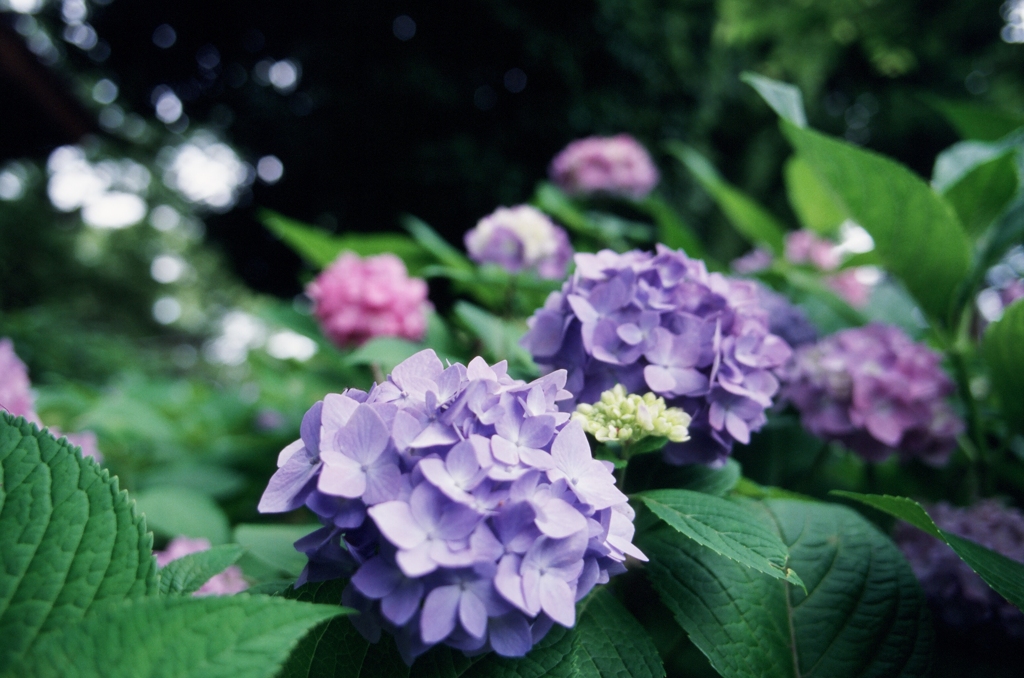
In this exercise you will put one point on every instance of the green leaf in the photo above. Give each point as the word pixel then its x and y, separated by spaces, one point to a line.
pixel 69 538
pixel 187 574
pixel 550 199
pixel 978 121
pixel 179 511
pixel 556 656
pixel 649 472
pixel 726 527
pixel 432 242
pixel 499 337
pixel 863 614
pixel 274 545
pixel 1003 351
pixel 1005 576
pixel 785 99
pixel 238 636
pixel 612 642
pixel 984 192
pixel 384 351
pixel 320 248
pixel 673 231
pixel 814 204
pixel 752 221
pixel 917 234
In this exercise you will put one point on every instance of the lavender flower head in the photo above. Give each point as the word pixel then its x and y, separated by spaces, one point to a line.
pixel 661 323
pixel 520 239
pixel 467 505
pixel 226 583
pixel 786 319
pixel 958 596
pixel 618 166
pixel 876 391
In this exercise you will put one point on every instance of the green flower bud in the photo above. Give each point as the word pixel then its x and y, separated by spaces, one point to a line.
pixel 627 418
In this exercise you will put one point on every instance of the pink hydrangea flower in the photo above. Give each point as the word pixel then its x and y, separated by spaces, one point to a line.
pixel 806 247
pixel 15 388
pixel 617 165
pixel 226 583
pixel 357 299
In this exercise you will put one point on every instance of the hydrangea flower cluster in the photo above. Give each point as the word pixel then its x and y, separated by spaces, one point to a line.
pixel 357 299
pixel 226 583
pixel 958 596
pixel 468 506
pixel 16 397
pixel 520 239
pixel 617 166
pixel 877 391
pixel 1005 285
pixel 628 418
pixel 786 319
pixel 660 322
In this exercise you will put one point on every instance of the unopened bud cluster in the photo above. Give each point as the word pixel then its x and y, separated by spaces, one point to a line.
pixel 626 418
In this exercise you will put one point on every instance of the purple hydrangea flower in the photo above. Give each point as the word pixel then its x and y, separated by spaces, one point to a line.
pixel 520 239
pixel 617 165
pixel 786 319
pixel 877 391
pixel 661 323
pixel 466 507
pixel 958 596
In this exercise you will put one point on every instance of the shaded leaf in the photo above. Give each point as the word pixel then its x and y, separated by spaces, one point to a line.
pixel 1005 576
pixel 785 99
pixel 978 121
pixel 863 614
pixel 812 201
pixel 499 337
pixel 69 538
pixel 555 656
pixel 238 636
pixel 187 574
pixel 432 242
pixel 728 528
pixel 917 235
pixel 752 220
pixel 673 231
pixel 179 511
pixel 320 248
pixel 612 642
pixel 274 545
pixel 1003 350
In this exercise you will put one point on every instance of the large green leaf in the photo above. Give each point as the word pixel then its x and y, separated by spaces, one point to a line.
pixel 1003 349
pixel 785 99
pixel 187 574
pixel 235 636
pixel 863 614
pixel 650 472
pixel 978 121
pixel 69 539
pixel 728 528
pixel 611 641
pixel 319 248
pixel 917 235
pixel 556 656
pixel 673 231
pixel 749 218
pixel 814 204
pixel 1005 576
pixel 179 511
pixel 432 242
pixel 979 179
pixel 498 337
pixel 274 545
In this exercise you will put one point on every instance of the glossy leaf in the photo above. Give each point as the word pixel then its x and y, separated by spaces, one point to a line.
pixel 320 248
pixel 917 235
pixel 785 99
pixel 752 220
pixel 187 574
pixel 69 538
pixel 726 527
pixel 863 614
pixel 1003 349
pixel 1005 576
pixel 612 642
pixel 179 511
pixel 814 204
pixel 238 636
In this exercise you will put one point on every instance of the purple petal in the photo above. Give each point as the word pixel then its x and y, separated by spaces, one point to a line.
pixel 439 613
pixel 289 485
pixel 473 614
pixel 400 605
pixel 418 561
pixel 659 379
pixel 538 459
pixel 537 431
pixel 509 583
pixel 383 483
pixel 571 450
pixel 395 520
pixel 337 410
pixel 341 476
pixel 510 635
pixel 365 436
pixel 310 429
pixel 558 519
pixel 504 451
pixel 376 578
pixel 557 600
